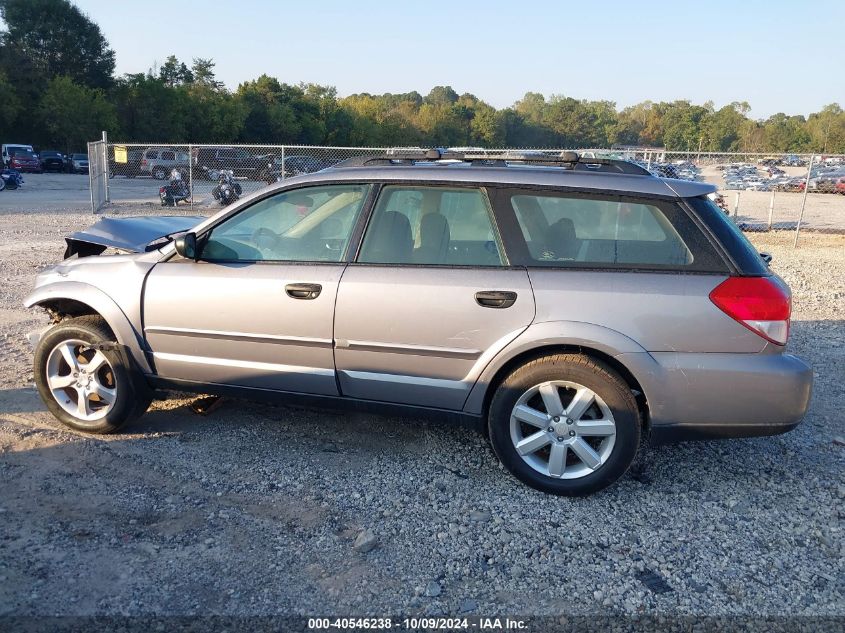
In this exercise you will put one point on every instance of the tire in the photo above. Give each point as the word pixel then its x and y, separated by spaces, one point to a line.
pixel 2 184
pixel 610 426
pixel 54 377
pixel 159 173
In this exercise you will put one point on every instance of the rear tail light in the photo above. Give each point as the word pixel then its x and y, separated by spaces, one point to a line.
pixel 762 304
pixel 144 161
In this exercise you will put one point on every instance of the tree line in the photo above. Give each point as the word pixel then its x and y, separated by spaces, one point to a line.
pixel 58 89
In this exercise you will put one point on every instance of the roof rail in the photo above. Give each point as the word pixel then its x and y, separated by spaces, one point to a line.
pixel 566 160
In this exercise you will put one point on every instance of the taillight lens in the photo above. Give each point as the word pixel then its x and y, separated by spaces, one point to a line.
pixel 762 304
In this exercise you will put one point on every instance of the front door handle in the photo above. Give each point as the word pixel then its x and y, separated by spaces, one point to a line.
pixel 303 291
pixel 495 298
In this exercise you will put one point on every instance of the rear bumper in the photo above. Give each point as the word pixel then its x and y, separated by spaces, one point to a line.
pixel 707 396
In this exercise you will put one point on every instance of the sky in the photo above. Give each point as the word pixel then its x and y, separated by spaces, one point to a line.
pixel 779 56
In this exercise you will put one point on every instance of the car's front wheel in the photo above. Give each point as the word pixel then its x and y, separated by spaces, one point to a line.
pixel 83 378
pixel 565 424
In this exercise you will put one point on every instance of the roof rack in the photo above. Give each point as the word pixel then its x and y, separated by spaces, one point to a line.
pixel 566 160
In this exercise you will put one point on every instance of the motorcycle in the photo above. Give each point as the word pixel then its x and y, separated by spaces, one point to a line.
pixel 175 192
pixel 10 179
pixel 227 189
pixel 271 174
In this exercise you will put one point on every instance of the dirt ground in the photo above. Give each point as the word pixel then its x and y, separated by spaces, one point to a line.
pixel 254 509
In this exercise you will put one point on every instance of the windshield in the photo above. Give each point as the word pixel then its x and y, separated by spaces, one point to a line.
pixel 80 157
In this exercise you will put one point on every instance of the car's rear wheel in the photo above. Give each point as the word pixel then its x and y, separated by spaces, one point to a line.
pixel 565 424
pixel 84 380
pixel 159 173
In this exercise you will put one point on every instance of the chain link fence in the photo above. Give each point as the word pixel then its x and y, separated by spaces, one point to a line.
pixel 762 192
pixel 98 173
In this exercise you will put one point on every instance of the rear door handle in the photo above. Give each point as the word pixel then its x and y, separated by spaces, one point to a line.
pixel 303 291
pixel 495 298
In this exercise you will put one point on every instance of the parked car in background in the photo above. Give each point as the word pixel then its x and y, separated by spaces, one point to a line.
pixel 840 186
pixel 825 182
pixel 53 160
pixel 131 168
pixel 793 184
pixel 79 163
pixel 25 160
pixel 158 162
pixel 210 161
pixel 294 165
pixel 7 149
pixel 570 311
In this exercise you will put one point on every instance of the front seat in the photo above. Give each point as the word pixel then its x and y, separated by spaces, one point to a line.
pixel 390 240
pixel 563 240
pixel 434 240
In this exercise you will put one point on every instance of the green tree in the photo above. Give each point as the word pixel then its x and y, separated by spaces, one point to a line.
pixel 75 114
pixel 11 106
pixel 202 72
pixel 175 73
pixel 59 40
pixel 827 129
pixel 441 95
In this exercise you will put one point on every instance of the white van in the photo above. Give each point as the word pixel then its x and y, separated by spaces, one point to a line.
pixel 9 148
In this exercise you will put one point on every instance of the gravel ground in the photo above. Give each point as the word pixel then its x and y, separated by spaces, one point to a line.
pixel 259 509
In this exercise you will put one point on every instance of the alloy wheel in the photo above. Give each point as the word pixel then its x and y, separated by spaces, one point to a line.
pixel 562 429
pixel 81 379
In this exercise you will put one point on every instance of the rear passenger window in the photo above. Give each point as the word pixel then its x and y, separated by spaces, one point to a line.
pixel 431 226
pixel 561 230
pixel 168 156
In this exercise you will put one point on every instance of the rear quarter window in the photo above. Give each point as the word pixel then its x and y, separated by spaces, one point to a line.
pixel 574 230
pixel 739 249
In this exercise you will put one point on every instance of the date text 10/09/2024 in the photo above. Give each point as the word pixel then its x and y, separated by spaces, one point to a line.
pixel 415 624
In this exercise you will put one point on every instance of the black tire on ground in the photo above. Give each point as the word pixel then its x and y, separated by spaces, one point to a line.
pixel 2 184
pixel 583 370
pixel 159 173
pixel 130 401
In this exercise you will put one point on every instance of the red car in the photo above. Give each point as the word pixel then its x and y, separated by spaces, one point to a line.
pixel 25 161
pixel 840 185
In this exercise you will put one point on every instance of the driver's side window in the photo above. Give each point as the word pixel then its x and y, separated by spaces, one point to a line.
pixel 311 224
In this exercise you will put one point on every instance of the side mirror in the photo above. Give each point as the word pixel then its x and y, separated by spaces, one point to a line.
pixel 766 258
pixel 186 246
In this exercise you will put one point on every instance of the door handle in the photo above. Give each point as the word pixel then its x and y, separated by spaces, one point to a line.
pixel 303 291
pixel 495 298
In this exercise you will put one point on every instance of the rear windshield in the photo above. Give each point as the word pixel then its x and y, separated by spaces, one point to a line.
pixel 740 250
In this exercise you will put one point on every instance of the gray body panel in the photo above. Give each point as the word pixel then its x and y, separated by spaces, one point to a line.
pixel 234 324
pixel 723 391
pixel 662 312
pixel 133 234
pixel 416 335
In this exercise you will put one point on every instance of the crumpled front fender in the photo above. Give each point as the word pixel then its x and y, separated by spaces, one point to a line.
pixel 100 303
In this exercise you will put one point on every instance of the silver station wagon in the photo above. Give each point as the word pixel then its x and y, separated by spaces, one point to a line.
pixel 570 307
